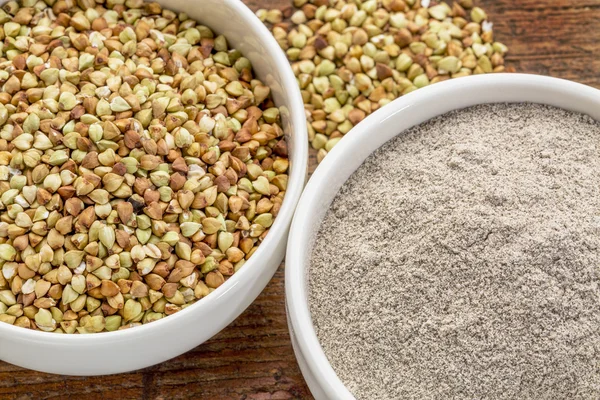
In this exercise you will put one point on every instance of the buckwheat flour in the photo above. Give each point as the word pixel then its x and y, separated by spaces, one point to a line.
pixel 462 261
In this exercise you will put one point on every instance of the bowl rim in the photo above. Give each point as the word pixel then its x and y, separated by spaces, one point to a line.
pixel 301 326
pixel 296 180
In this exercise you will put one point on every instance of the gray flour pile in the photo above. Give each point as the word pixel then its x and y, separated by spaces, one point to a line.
pixel 462 261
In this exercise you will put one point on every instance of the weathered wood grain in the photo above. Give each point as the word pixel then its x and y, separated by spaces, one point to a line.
pixel 253 358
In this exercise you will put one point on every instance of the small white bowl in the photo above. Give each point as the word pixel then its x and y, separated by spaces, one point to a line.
pixel 121 351
pixel 405 112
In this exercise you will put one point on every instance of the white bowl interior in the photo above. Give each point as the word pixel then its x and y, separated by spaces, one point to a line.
pixel 405 112
pixel 122 351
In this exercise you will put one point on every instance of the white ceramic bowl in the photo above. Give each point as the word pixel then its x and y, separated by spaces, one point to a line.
pixel 349 154
pixel 114 352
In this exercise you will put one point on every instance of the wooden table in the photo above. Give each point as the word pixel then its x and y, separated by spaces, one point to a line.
pixel 253 358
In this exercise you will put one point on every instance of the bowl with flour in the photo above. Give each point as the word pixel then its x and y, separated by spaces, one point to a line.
pixel 448 247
